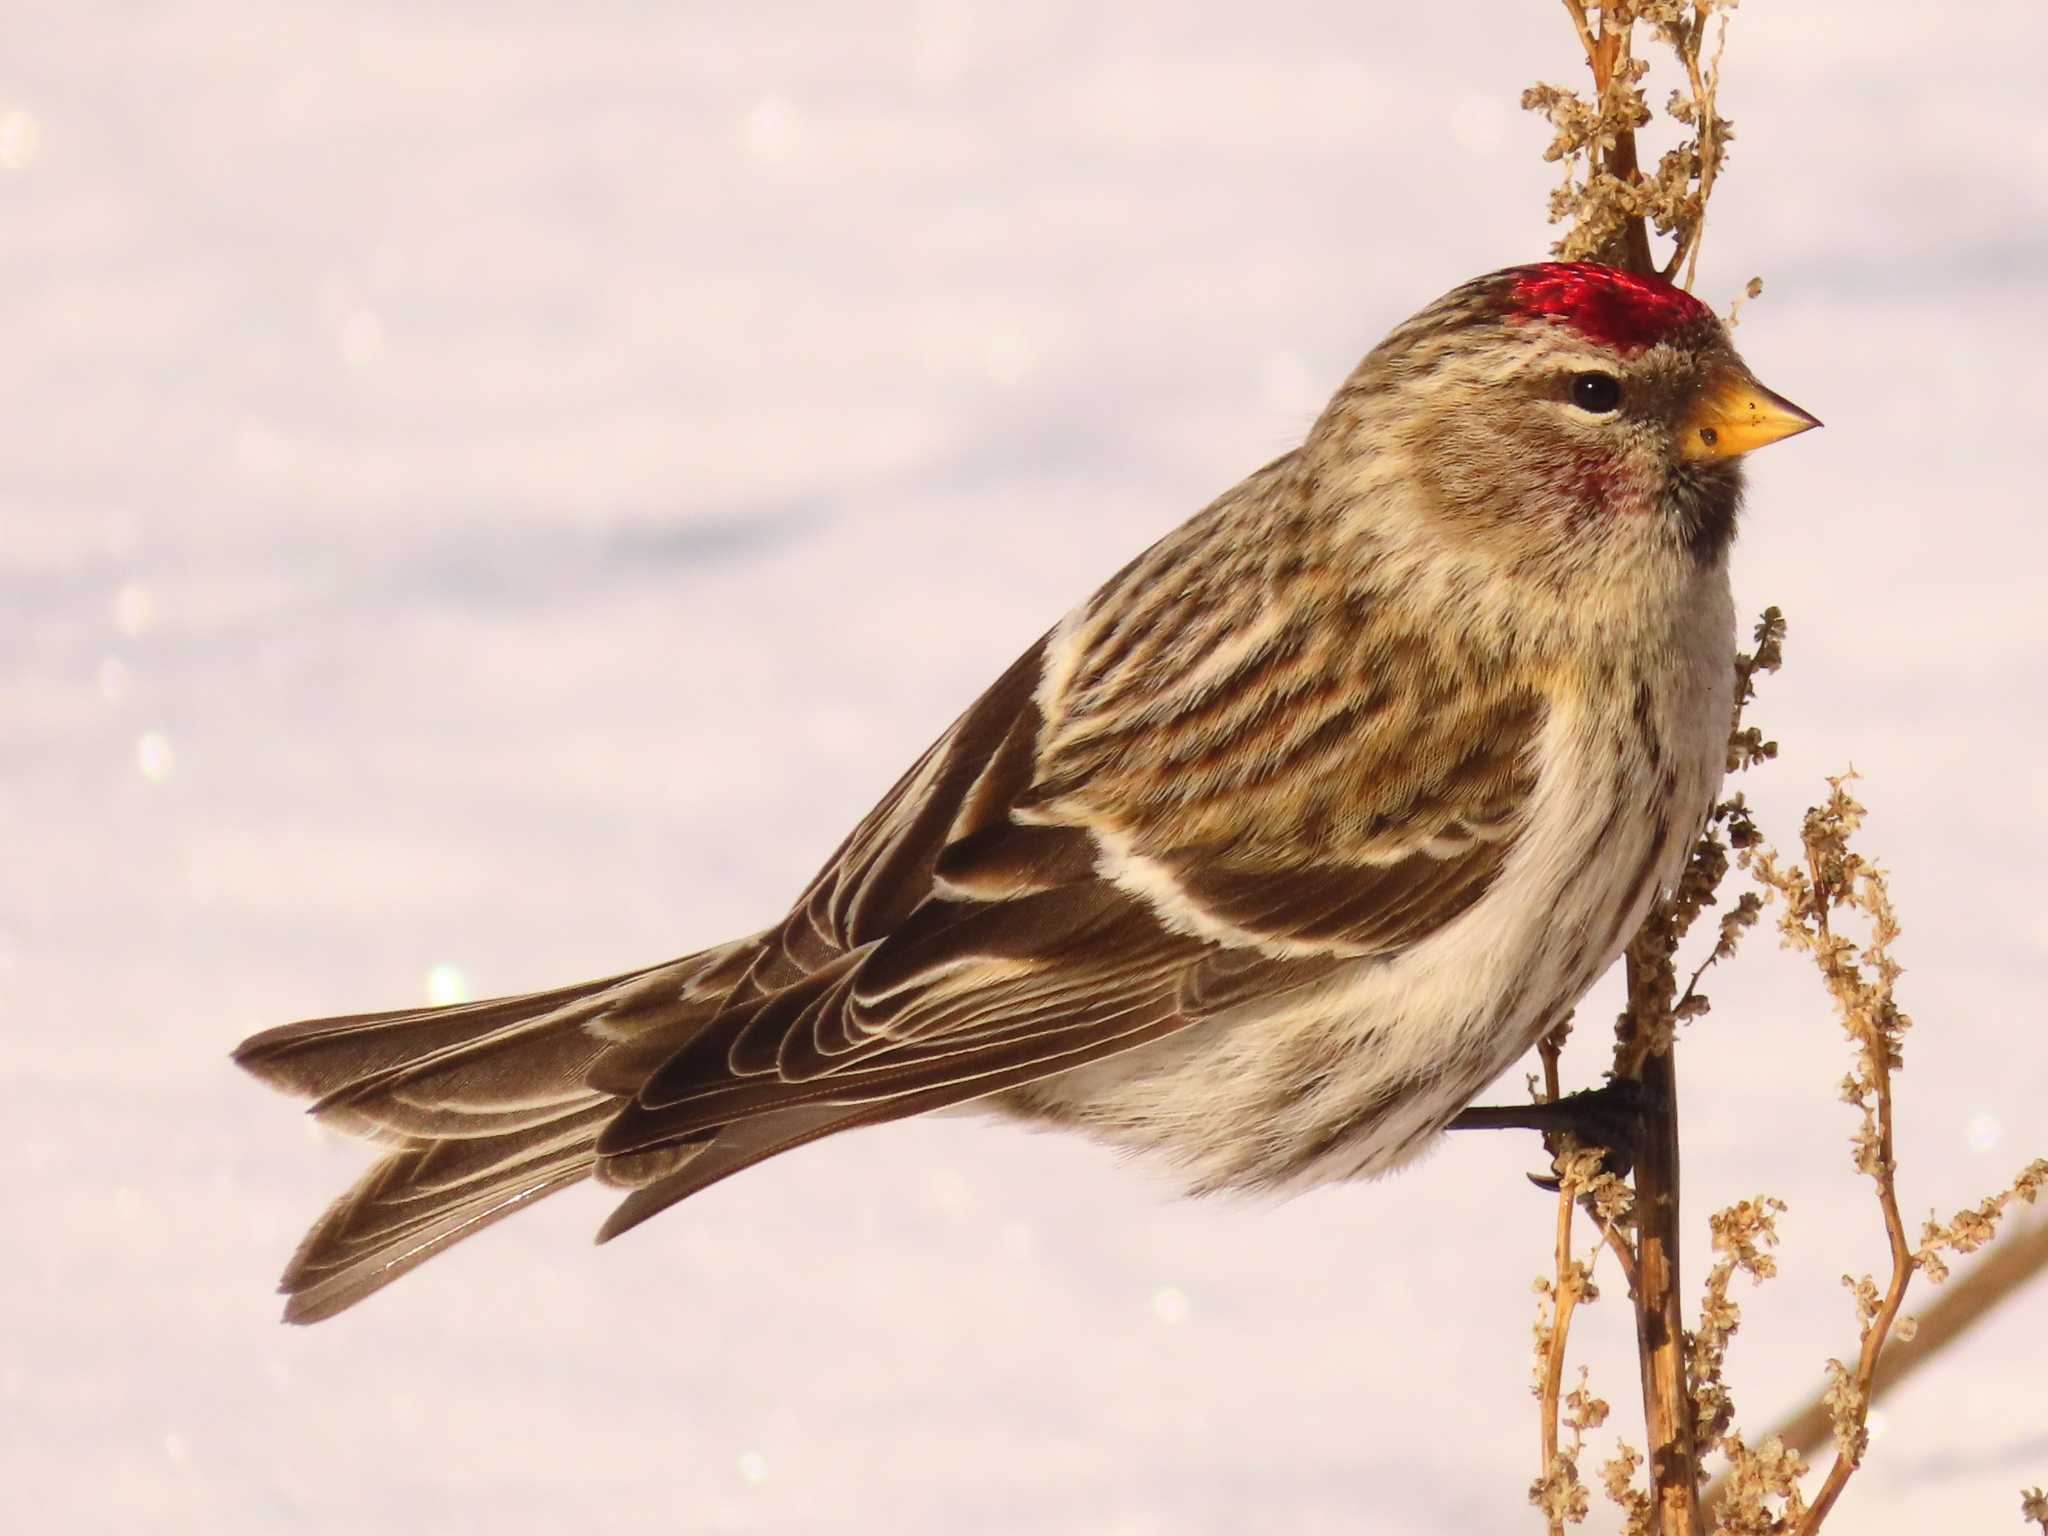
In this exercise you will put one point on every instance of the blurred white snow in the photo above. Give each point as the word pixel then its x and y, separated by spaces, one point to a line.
pixel 491 492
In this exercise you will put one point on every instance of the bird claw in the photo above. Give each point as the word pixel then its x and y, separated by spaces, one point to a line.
pixel 1608 1118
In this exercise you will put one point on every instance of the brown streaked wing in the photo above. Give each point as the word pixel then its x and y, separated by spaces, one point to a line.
pixel 1356 908
pixel 737 1147
pixel 873 879
pixel 885 868
pixel 1337 774
pixel 1363 790
pixel 945 950
pixel 973 992
pixel 1225 978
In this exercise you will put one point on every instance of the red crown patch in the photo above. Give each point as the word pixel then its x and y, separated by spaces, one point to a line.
pixel 1603 304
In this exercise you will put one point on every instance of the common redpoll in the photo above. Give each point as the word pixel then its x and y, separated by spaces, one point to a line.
pixel 1263 862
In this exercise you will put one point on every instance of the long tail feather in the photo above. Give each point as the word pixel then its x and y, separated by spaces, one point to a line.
pixel 485 1107
pixel 391 1221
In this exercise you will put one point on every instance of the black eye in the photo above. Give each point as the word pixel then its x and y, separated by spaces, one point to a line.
pixel 1596 392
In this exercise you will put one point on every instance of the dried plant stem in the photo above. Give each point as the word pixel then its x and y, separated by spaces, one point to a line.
pixel 1607 52
pixel 1624 1254
pixel 1549 1051
pixel 1564 1301
pixel 1565 1295
pixel 1660 1311
pixel 1875 1335
pixel 1704 86
pixel 2008 1266
pixel 1558 1490
pixel 1653 1266
pixel 1587 40
pixel 1878 1065
pixel 1610 206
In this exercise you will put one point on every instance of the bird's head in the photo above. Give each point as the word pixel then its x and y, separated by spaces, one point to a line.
pixel 1567 419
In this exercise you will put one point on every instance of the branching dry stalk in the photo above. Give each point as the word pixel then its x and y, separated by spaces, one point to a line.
pixel 1559 1491
pixel 1645 1037
pixel 1689 1400
pixel 1605 200
pixel 1832 879
pixel 2010 1263
pixel 1835 878
pixel 1609 206
pixel 1608 201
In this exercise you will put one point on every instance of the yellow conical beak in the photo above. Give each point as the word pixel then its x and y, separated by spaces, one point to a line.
pixel 1737 414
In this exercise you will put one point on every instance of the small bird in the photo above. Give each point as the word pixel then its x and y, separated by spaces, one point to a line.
pixel 1261 864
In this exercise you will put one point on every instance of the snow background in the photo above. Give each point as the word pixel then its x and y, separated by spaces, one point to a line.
pixel 502 487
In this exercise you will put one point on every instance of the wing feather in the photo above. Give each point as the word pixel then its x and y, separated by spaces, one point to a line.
pixel 1179 803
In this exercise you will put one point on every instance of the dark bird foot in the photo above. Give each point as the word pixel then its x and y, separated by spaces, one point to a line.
pixel 1609 1117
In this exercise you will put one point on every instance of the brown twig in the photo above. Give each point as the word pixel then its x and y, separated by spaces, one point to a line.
pixel 1558 1482
pixel 1608 54
pixel 1654 1281
pixel 1705 84
pixel 1611 200
pixel 1587 41
pixel 1564 1299
pixel 1645 1050
pixel 1660 1311
pixel 1624 1254
pixel 2009 1265
pixel 1829 886
pixel 1559 1490
pixel 1611 207
pixel 1832 875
